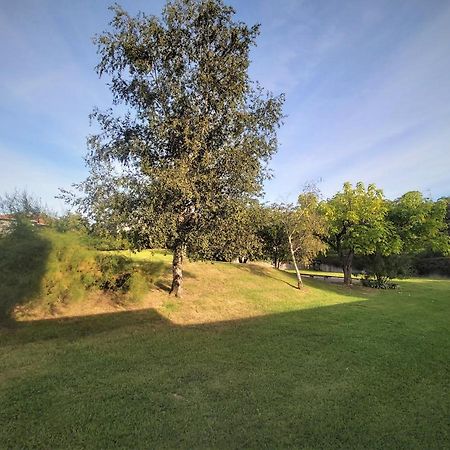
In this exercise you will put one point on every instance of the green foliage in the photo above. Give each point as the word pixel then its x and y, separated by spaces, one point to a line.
pixel 137 286
pixel 306 226
pixel 48 269
pixel 71 222
pixel 25 209
pixel 357 224
pixel 447 214
pixel 70 269
pixel 438 265
pixel 272 234
pixel 232 239
pixel 388 233
pixel 116 271
pixel 22 203
pixel 381 268
pixel 420 223
pixel 21 268
pixel 357 220
pixel 198 135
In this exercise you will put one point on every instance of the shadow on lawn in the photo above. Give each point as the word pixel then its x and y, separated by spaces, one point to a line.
pixel 23 259
pixel 72 328
pixel 282 275
pixel 262 271
pixel 326 377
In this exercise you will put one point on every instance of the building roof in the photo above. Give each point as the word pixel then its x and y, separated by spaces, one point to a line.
pixel 6 217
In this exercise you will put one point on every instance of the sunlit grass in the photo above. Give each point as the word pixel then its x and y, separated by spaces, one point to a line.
pixel 243 360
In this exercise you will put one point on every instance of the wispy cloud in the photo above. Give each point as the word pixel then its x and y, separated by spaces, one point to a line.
pixel 368 91
pixel 393 120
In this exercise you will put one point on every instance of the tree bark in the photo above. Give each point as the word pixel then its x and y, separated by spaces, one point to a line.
pixel 297 271
pixel 347 267
pixel 177 272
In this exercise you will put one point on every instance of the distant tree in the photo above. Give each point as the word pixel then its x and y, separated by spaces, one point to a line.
pixel 71 222
pixel 21 202
pixel 303 226
pixel 414 225
pixel 197 134
pixel 272 234
pixel 420 223
pixel 357 224
pixel 235 239
pixel 447 214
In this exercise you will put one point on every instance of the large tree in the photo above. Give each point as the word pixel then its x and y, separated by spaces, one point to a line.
pixel 192 135
pixel 357 224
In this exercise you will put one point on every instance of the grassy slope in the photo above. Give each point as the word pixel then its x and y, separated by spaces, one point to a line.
pixel 245 362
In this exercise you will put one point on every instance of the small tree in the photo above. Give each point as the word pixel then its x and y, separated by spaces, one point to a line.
pixel 22 203
pixel 197 136
pixel 357 224
pixel 25 208
pixel 303 225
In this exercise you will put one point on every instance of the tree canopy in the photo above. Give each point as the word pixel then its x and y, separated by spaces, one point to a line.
pixel 420 223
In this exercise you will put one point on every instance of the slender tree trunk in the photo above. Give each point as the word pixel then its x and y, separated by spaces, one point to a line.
pixel 297 271
pixel 177 272
pixel 347 267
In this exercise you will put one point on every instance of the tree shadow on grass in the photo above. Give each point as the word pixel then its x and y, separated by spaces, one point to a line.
pixel 262 271
pixel 283 276
pixel 23 259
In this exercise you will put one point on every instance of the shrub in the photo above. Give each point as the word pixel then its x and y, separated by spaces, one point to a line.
pixel 439 265
pixel 137 286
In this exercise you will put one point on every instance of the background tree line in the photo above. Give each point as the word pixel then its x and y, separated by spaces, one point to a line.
pixel 358 227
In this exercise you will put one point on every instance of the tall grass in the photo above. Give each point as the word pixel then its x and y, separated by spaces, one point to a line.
pixel 49 269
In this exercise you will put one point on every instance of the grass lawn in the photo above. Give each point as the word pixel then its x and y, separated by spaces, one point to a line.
pixel 244 361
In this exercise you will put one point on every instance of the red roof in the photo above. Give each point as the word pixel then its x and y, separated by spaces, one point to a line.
pixel 37 220
pixel 6 217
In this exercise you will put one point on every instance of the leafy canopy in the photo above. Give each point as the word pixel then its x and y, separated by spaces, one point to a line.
pixel 420 223
pixel 193 144
pixel 357 223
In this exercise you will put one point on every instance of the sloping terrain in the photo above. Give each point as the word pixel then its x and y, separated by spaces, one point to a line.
pixel 243 360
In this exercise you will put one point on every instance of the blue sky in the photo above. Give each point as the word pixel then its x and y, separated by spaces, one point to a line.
pixel 367 87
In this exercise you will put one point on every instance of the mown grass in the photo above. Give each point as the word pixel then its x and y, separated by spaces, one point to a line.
pixel 243 361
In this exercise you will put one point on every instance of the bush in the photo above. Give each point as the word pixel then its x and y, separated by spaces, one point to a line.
pixel 46 268
pixel 439 265
pixel 378 283
pixel 115 271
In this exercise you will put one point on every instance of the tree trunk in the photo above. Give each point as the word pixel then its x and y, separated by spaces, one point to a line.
pixel 347 267
pixel 177 272
pixel 297 271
